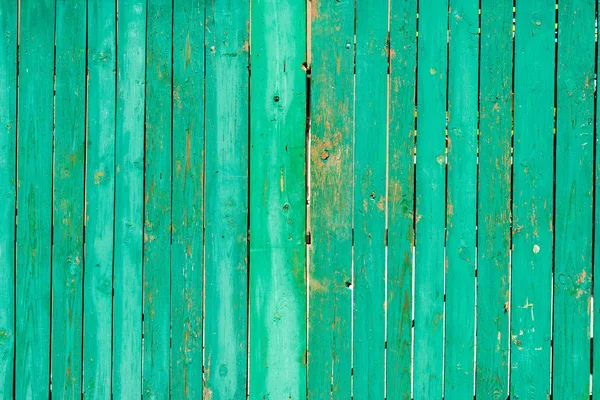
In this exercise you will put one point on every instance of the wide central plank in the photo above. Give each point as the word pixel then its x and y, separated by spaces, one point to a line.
pixel 277 201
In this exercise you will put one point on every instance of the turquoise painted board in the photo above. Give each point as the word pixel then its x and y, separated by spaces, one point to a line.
pixel 277 201
pixel 370 198
pixel 332 110
pixel 100 200
pixel 401 190
pixel 8 142
pixel 461 200
pixel 129 198
pixel 157 201
pixel 34 199
pixel 188 186
pixel 596 265
pixel 573 207
pixel 69 150
pixel 494 212
pixel 532 200
pixel 430 199
pixel 226 294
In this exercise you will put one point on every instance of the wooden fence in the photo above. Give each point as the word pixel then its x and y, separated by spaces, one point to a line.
pixel 224 199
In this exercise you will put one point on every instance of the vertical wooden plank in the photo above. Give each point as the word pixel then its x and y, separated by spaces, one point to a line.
pixel 574 181
pixel 370 197
pixel 129 197
pixel 8 146
pixel 493 259
pixel 461 207
pixel 34 152
pixel 277 200
pixel 532 200
pixel 100 198
pixel 69 144
pixel 596 253
pixel 227 45
pixel 332 112
pixel 157 201
pixel 403 58
pixel 188 188
pixel 430 197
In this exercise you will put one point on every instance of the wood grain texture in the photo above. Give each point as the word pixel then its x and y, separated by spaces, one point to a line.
pixel 277 201
pixel 401 170
pixel 188 194
pixel 8 147
pixel 129 197
pixel 574 185
pixel 157 201
pixel 227 120
pixel 332 112
pixel 34 199
pixel 461 198
pixel 100 199
pixel 370 198
pixel 532 200
pixel 494 213
pixel 430 197
pixel 69 149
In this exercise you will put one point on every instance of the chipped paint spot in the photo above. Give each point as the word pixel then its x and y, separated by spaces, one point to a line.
pixel 98 177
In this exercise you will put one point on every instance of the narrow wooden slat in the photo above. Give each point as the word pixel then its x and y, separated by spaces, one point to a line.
pixel 69 145
pixel 100 196
pixel 596 257
pixel 277 201
pixel 493 259
pixel 129 197
pixel 573 201
pixel 8 147
pixel 430 197
pixel 461 207
pixel 157 201
pixel 369 198
pixel 188 187
pixel 227 45
pixel 403 57
pixel 332 111
pixel 34 149
pixel 532 200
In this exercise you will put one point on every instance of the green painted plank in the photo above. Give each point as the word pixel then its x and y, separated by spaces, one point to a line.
pixel 69 145
pixel 129 197
pixel 493 259
pixel 157 201
pixel 8 145
pixel 332 112
pixel 100 196
pixel 596 265
pixel 573 202
pixel 461 207
pixel 226 297
pixel 430 198
pixel 401 172
pixel 370 198
pixel 188 187
pixel 532 200
pixel 34 149
pixel 277 201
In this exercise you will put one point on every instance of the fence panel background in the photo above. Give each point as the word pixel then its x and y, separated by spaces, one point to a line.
pixel 323 199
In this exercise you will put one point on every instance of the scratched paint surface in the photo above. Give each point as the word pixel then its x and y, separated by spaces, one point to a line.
pixel 494 197
pixel 532 201
pixel 329 199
